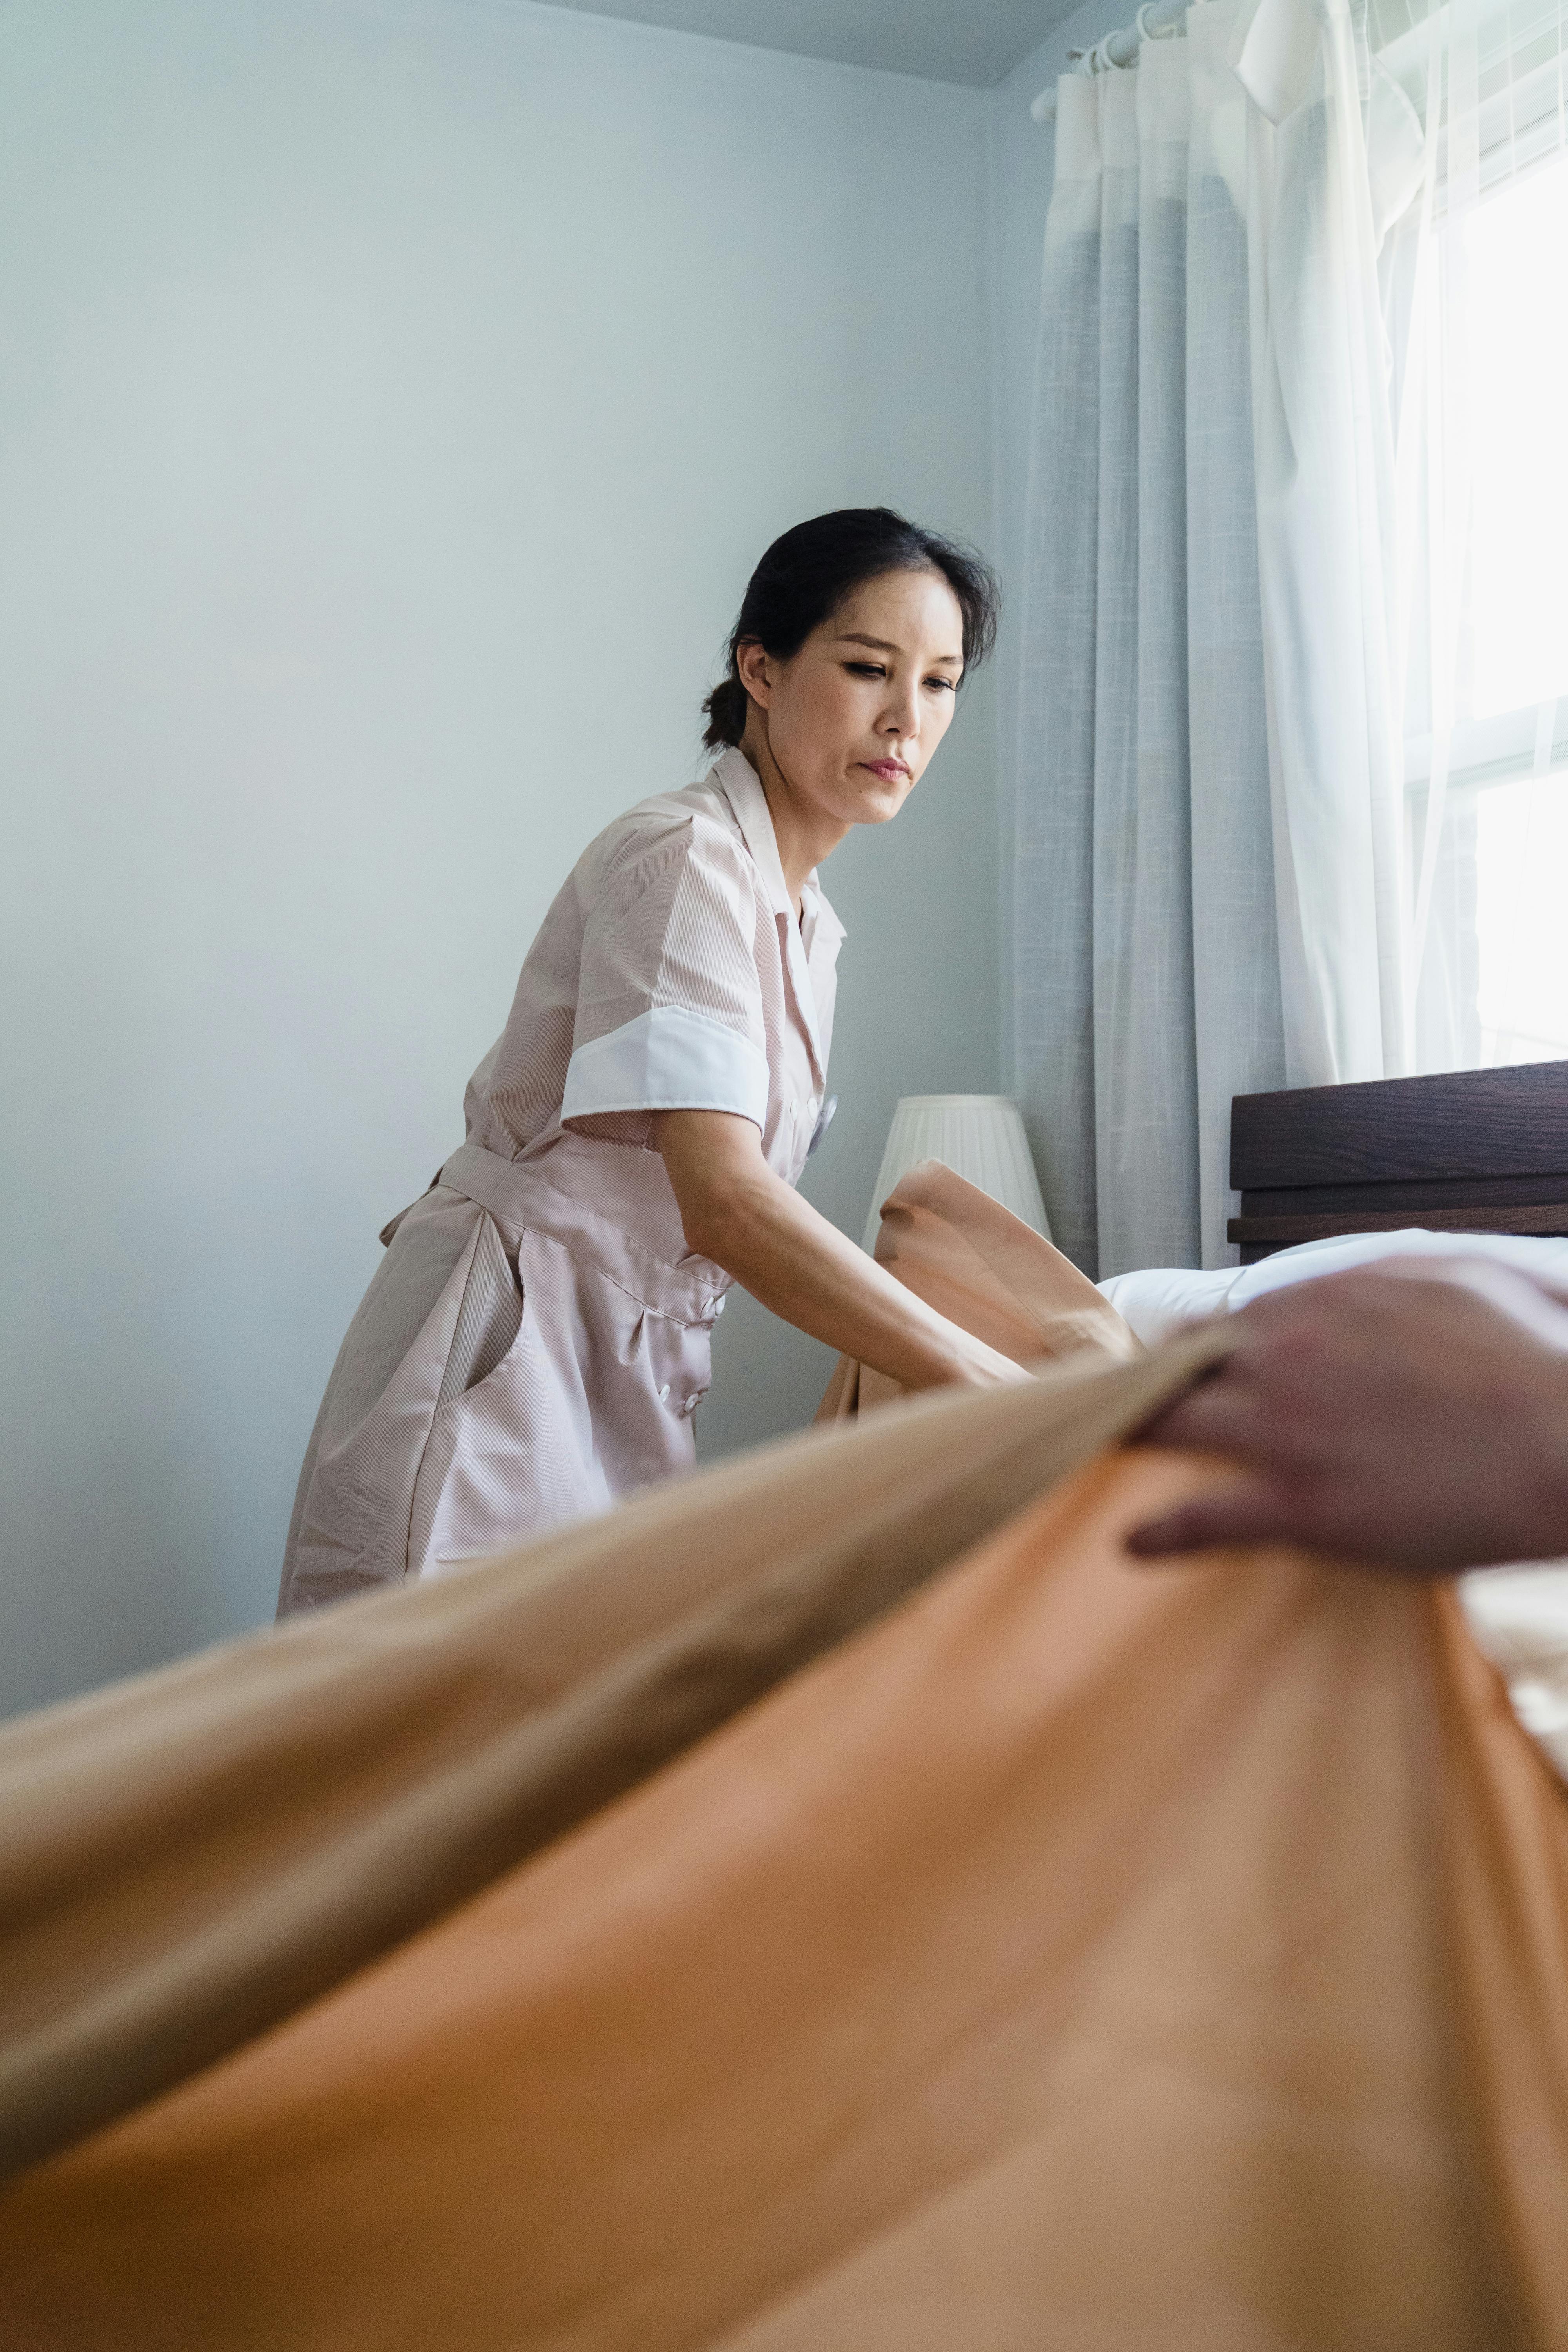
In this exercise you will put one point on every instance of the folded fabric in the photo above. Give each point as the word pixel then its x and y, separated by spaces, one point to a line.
pixel 987 1271
pixel 1083 1955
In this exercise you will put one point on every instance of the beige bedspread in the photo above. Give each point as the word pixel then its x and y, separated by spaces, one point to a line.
pixel 841 1902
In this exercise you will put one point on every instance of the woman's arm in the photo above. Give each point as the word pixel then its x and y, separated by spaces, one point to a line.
pixel 736 1211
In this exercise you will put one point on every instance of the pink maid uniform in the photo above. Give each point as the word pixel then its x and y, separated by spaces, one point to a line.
pixel 536 1339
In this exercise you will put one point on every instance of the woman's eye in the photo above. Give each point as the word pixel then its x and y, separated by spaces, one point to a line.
pixel 865 669
pixel 948 684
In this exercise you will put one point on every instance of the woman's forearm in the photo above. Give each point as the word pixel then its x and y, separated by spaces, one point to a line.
pixel 779 1248
pixel 736 1211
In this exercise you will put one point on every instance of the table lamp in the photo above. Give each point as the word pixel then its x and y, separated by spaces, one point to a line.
pixel 979 1137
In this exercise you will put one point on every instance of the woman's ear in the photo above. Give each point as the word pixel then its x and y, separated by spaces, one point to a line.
pixel 755 669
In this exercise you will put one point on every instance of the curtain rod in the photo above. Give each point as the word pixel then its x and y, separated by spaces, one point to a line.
pixel 1157 20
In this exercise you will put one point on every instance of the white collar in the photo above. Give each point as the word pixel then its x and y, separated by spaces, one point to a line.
pixel 742 788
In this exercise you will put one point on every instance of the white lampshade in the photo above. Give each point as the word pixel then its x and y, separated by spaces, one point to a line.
pixel 980 1137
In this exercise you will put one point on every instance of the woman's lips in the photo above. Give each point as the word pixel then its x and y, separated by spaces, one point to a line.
pixel 886 769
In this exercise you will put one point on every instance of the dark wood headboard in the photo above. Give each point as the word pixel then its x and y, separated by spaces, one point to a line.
pixel 1466 1151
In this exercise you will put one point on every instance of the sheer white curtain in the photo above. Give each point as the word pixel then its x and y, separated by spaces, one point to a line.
pixel 1293 750
pixel 1209 894
pixel 1334 155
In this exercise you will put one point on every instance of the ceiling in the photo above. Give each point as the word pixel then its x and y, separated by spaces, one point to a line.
pixel 974 41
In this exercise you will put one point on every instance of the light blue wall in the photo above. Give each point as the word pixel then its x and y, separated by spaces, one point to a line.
pixel 393 399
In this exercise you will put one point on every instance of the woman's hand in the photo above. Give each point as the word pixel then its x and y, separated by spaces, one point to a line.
pixel 1414 1415
pixel 735 1211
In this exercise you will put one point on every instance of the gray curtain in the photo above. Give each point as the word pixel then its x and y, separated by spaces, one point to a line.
pixel 1147 966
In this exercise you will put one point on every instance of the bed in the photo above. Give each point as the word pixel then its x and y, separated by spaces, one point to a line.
pixel 1472 1151
pixel 1335 1176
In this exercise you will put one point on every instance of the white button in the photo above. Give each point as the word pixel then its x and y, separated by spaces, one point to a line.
pixel 664 1393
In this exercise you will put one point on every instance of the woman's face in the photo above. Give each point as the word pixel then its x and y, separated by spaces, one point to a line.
pixel 852 719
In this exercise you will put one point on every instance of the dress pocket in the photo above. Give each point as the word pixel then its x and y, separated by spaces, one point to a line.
pixel 489 1318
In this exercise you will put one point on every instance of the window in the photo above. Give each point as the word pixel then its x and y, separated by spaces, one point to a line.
pixel 1485 313
pixel 1518 353
pixel 1517 242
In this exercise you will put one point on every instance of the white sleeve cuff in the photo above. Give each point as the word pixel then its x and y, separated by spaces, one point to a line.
pixel 669 1058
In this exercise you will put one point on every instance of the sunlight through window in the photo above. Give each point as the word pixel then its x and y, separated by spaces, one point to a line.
pixel 1517 311
pixel 1521 854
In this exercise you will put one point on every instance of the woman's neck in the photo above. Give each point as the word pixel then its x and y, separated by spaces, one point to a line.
pixel 806 835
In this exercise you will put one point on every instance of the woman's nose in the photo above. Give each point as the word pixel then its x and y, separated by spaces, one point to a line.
pixel 902 715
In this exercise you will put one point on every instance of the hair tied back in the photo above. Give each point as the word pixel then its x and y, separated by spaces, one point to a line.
pixel 806 576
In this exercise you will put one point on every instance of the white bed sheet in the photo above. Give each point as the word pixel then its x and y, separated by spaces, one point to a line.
pixel 1156 1300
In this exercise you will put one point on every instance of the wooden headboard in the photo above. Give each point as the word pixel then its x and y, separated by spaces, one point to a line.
pixel 1466 1151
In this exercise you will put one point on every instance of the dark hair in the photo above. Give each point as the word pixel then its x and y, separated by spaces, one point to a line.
pixel 806 574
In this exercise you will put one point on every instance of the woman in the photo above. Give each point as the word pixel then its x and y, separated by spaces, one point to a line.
pixel 536 1339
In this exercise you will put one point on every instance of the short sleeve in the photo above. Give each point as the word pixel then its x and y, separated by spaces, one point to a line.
pixel 670 1005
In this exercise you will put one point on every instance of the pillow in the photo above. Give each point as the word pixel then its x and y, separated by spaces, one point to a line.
pixel 1158 1299
pixel 1155 1300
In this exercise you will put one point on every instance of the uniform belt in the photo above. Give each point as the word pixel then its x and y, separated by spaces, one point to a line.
pixel 516 1196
